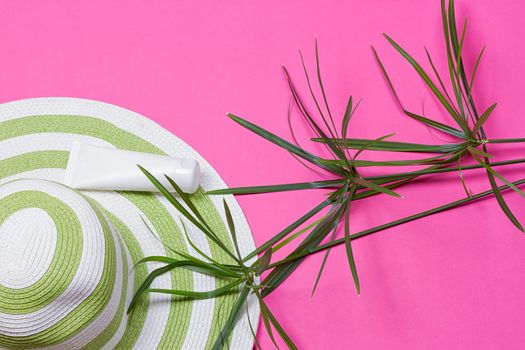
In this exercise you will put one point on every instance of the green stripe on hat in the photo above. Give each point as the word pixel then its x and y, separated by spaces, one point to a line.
pixel 66 255
pixel 88 309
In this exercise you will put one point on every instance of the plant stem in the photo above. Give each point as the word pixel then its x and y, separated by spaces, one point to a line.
pixel 506 140
pixel 288 230
pixel 441 170
pixel 367 232
pixel 290 238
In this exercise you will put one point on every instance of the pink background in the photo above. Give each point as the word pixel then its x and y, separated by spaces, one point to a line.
pixel 454 280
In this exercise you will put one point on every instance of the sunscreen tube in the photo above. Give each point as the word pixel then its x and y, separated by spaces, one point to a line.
pixel 100 168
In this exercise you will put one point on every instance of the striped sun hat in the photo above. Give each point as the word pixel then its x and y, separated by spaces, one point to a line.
pixel 67 257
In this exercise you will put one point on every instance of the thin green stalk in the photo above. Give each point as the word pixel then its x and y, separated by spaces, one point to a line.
pixel 290 238
pixel 511 140
pixel 404 220
pixel 441 170
pixel 281 235
pixel 366 194
pixel 392 146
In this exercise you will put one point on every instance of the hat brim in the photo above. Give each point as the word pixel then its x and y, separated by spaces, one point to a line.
pixel 35 138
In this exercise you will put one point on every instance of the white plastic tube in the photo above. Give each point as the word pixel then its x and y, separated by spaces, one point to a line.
pixel 100 168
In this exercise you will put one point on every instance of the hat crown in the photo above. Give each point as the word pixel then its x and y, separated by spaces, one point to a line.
pixel 63 268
